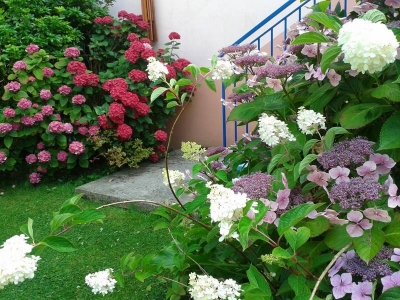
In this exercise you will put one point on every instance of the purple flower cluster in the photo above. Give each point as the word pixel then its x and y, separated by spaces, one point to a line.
pixel 278 71
pixel 354 193
pixel 237 49
pixel 295 198
pixel 253 60
pixel 9 112
pixel 215 150
pixel 256 185
pixel 345 153
pixel 28 120
pixel 13 86
pixel 19 65
pixel 24 104
pixel 64 90
pixel 241 98
pixel 5 128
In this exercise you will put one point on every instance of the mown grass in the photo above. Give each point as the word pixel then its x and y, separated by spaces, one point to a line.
pixel 100 246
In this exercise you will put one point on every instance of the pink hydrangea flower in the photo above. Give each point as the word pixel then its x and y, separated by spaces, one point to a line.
pixel 83 130
pixel 78 99
pixel 275 84
pixel 310 50
pixel 19 65
pixel 28 120
pixel 393 3
pixel 31 159
pixel 40 146
pixel 174 36
pixel 391 281
pixel 384 163
pixel 396 256
pixel 62 156
pixel 76 148
pixel 318 177
pixel 24 104
pixel 15 126
pixel 44 156
pixel 334 78
pixel 64 90
pixel 13 86
pixel 34 178
pixel 393 200
pixel 72 52
pixel 342 284
pixel 38 117
pixel 380 215
pixel 360 291
pixel 94 130
pixel 9 112
pixel 56 127
pixel 48 72
pixel 318 74
pixel 32 48
pixel 41 170
pixel 31 78
pixel 160 136
pixel 282 198
pixel 68 128
pixel 47 110
pixel 3 157
pixel 368 170
pixel 58 117
pixel 340 174
pixel 35 105
pixel 45 94
pixel 360 224
pixel 5 128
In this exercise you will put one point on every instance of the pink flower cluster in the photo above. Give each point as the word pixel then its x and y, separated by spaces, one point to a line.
pixel 124 132
pixel 160 136
pixel 31 159
pixel 5 128
pixel 86 79
pixel 94 130
pixel 45 94
pixel 28 120
pixel 48 72
pixel 78 99
pixel 62 156
pixel 13 86
pixel 32 48
pixel 9 112
pixel 72 52
pixel 104 20
pixel 19 65
pixel 103 122
pixel 76 67
pixel 137 75
pixel 76 148
pixel 3 157
pixel 24 104
pixel 116 113
pixel 68 128
pixel 38 117
pixel 47 110
pixel 64 90
pixel 34 178
pixel 44 156
pixel 174 36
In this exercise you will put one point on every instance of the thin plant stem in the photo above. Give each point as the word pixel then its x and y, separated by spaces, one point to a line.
pixel 335 258
pixel 169 279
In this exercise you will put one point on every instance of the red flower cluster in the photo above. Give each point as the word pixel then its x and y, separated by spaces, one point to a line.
pixel 118 92
pixel 171 72
pixel 116 82
pixel 161 136
pixel 137 75
pixel 142 24
pixel 148 53
pixel 131 55
pixel 130 100
pixel 132 37
pixel 86 80
pixel 180 63
pixel 142 109
pixel 76 67
pixel 116 113
pixel 124 132
pixel 174 36
pixel 154 157
pixel 103 122
pixel 104 20
pixel 161 148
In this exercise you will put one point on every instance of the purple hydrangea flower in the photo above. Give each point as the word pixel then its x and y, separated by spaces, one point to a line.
pixel 256 185
pixel 342 284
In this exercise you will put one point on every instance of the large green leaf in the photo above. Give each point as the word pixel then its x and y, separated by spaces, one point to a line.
pixel 87 216
pixel 310 38
pixel 329 137
pixel 337 238
pixel 329 56
pixel 248 112
pixel 156 93
pixel 298 284
pixel 258 281
pixel 392 234
pixel 328 21
pixel 369 244
pixel 374 16
pixel 244 229
pixel 58 243
pixel 297 238
pixel 359 115
pixel 318 94
pixel 391 294
pixel 38 73
pixel 390 132
pixel 388 90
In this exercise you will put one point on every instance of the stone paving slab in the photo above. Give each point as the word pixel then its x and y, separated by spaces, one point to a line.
pixel 144 183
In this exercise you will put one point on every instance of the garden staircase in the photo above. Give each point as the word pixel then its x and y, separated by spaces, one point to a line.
pixel 269 31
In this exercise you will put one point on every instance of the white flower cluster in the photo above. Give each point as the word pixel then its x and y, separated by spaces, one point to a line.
pixel 156 69
pixel 203 287
pixel 226 206
pixel 367 46
pixel 309 121
pixel 15 265
pixel 223 70
pixel 176 177
pixel 101 282
pixel 273 131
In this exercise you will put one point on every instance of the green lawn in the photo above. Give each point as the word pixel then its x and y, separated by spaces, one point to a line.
pixel 100 246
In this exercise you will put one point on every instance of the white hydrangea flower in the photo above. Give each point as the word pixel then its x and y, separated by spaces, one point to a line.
pixel 15 264
pixel 273 131
pixel 176 177
pixel 223 70
pixel 226 206
pixel 204 287
pixel 156 69
pixel 367 46
pixel 309 121
pixel 101 282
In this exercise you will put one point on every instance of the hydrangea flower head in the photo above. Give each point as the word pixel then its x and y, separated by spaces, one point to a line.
pixel 3 157
pixel 176 177
pixel 273 131
pixel 367 46
pixel 310 121
pixel 72 52
pixel 223 70
pixel 101 282
pixel 192 151
pixel 76 148
pixel 205 287
pixel 156 69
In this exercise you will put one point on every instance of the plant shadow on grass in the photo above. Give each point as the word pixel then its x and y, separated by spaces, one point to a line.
pixel 100 246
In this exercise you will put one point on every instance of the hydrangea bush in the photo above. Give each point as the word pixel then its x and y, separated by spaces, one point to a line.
pixel 61 112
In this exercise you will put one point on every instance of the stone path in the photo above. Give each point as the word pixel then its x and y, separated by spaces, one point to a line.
pixel 145 183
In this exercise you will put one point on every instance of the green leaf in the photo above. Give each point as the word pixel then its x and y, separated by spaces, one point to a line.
pixel 247 112
pixel 308 146
pixel 244 229
pixel 359 115
pixel 374 16
pixel 156 93
pixel 59 220
pixel 329 137
pixel 310 38
pixel 258 281
pixel 27 229
pixel 390 294
pixel 388 90
pixel 317 226
pixel 294 216
pixel 38 73
pixel 8 140
pixel 172 104
pixel 184 82
pixel 318 94
pixel 84 163
pixel 210 83
pixel 193 69
pixel 274 161
pixel 298 284
pixel 222 175
pixel 392 234
pixel 329 56
pixel 389 136
pixel 279 252
pixel 73 200
pixel 58 243
pixel 88 216
pixel 369 244
pixel 304 163
pixel 337 238
pixel 297 238
pixel 21 94
pixel 326 20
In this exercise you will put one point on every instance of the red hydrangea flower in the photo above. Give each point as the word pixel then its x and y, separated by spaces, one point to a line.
pixel 180 63
pixel 174 36
pixel 27 121
pixel 136 46
pixel 24 104
pixel 78 99
pixel 103 122
pixel 31 159
pixel 130 100
pixel 143 99
pixel 76 148
pixel 145 41
pixel 34 178
pixel 189 88
pixel 154 157
pixel 76 67
pixel 64 90
pixel 171 72
pixel 123 14
pixel 161 136
pixel 56 127
pixel 48 72
pixel 45 94
pixel 44 156
pixel 94 130
pixel 86 80
pixel 104 20
pixel 116 113
pixel 132 37
pixel 40 146
pixel 5 128
pixel 117 82
pixel 32 48
pixel 9 112
pixel 142 25
pixel 38 117
pixel 124 132
pixel 83 130
pixel 131 55
pixel 118 92
pixel 47 110
pixel 132 18
pixel 13 86
pixel 142 109
pixel 62 156
pixel 72 52
pixel 161 148
pixel 137 75
pixel 19 65
pixel 148 53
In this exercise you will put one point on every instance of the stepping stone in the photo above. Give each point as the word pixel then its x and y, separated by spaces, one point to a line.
pixel 144 183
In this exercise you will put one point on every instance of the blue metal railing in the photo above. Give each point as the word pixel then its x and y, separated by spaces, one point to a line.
pixel 267 30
